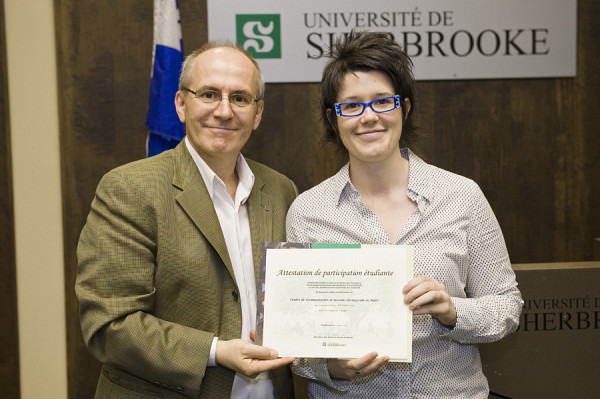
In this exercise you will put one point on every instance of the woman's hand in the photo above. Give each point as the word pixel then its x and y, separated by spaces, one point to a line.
pixel 355 368
pixel 426 295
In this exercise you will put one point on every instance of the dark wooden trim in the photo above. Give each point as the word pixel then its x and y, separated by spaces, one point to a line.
pixel 9 332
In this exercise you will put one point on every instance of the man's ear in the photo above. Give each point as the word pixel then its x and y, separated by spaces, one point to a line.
pixel 180 105
pixel 260 107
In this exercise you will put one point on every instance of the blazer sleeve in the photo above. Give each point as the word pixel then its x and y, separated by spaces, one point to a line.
pixel 116 291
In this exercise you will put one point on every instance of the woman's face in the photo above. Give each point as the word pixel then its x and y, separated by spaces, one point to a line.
pixel 371 137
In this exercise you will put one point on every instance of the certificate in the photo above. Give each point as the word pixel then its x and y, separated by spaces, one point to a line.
pixel 335 301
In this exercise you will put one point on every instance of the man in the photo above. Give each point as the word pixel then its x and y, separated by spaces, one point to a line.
pixel 170 251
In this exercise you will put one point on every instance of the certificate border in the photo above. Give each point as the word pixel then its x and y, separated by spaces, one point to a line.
pixel 409 256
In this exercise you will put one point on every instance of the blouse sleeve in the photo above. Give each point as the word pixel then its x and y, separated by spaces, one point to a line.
pixel 493 304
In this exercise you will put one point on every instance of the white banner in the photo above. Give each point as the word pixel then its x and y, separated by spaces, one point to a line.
pixel 446 39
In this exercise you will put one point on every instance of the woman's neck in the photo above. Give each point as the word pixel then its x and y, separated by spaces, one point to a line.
pixel 377 178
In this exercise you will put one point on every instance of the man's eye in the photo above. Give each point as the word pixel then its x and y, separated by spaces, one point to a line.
pixel 209 96
pixel 239 99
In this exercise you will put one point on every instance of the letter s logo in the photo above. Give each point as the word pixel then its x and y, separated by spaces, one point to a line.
pixel 255 39
pixel 259 34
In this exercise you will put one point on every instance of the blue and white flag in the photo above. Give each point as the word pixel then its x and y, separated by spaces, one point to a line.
pixel 166 130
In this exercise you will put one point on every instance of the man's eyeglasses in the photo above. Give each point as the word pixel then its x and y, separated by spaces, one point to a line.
pixel 379 105
pixel 214 97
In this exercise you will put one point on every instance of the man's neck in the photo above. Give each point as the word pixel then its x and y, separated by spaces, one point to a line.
pixel 223 165
pixel 226 170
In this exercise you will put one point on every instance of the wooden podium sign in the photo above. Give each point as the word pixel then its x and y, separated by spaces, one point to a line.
pixel 556 351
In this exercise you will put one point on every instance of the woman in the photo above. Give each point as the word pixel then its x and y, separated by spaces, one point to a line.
pixel 465 291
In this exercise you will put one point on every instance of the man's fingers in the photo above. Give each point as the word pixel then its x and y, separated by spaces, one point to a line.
pixel 246 358
pixel 256 367
pixel 251 351
pixel 282 361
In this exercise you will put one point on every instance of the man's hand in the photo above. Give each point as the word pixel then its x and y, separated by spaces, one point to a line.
pixel 246 358
pixel 426 295
pixel 355 368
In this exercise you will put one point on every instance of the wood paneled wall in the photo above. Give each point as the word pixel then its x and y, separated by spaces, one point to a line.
pixel 9 338
pixel 532 144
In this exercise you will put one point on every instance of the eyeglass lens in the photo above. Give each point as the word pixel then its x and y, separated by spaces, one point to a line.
pixel 215 97
pixel 379 105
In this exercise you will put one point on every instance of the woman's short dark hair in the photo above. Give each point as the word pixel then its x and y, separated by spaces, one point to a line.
pixel 363 52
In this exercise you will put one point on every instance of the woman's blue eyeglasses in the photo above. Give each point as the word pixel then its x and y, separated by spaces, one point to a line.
pixel 379 105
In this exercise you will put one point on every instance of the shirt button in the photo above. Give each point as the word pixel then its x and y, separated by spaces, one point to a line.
pixel 235 295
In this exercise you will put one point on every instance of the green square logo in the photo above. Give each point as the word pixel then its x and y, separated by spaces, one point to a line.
pixel 259 34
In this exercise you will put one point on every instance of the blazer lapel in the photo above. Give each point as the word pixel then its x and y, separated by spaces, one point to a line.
pixel 196 202
pixel 260 215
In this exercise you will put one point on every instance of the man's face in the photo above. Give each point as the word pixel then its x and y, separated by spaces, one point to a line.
pixel 218 131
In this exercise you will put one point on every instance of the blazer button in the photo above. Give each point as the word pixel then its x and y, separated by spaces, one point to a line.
pixel 235 295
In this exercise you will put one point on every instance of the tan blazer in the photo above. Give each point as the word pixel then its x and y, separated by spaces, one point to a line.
pixel 155 282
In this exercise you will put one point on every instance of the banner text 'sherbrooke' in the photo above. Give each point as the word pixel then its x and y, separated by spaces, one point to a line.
pixel 461 43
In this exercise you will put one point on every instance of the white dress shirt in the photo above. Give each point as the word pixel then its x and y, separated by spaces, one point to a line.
pixel 233 218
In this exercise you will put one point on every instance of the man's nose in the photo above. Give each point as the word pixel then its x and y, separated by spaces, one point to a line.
pixel 223 109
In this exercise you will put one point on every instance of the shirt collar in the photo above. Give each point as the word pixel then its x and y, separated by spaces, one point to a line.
pixel 343 189
pixel 420 187
pixel 419 178
pixel 211 180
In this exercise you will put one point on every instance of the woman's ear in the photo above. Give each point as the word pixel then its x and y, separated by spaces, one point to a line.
pixel 331 118
pixel 406 108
